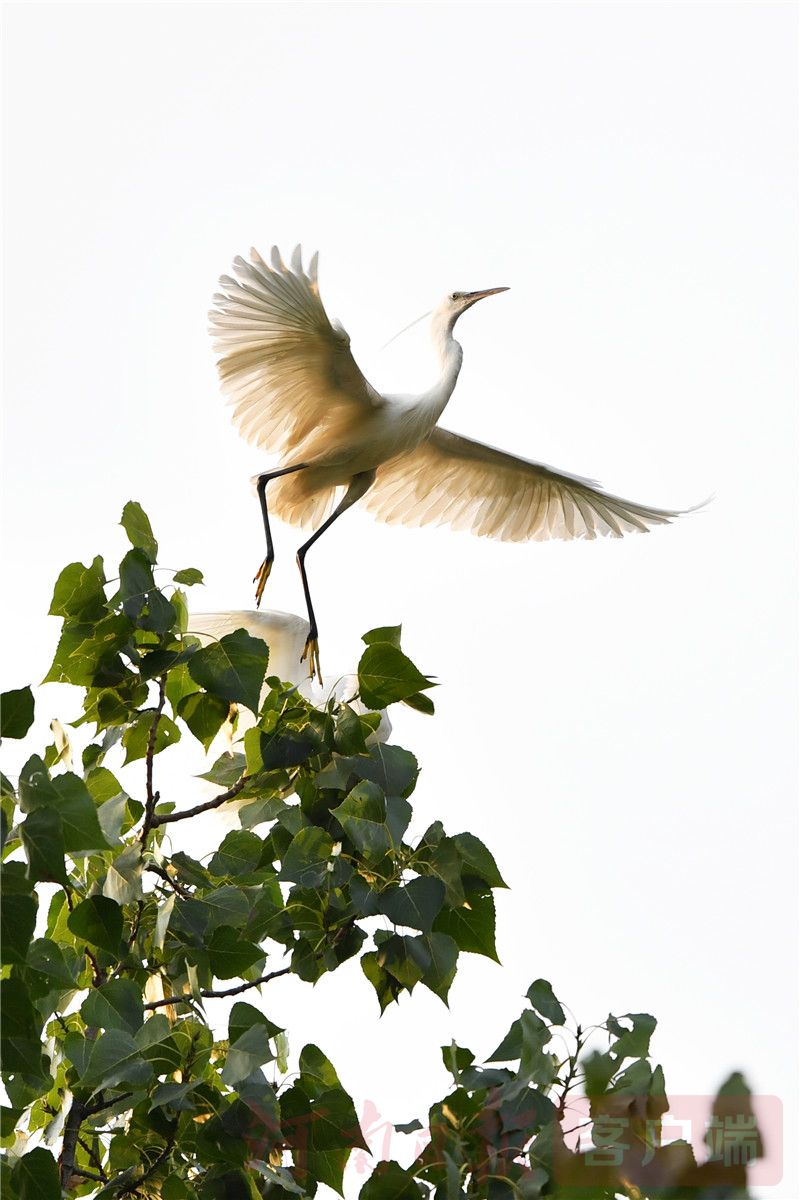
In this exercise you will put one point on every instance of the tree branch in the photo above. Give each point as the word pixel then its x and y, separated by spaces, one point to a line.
pixel 72 1131
pixel 210 994
pixel 152 797
pixel 231 794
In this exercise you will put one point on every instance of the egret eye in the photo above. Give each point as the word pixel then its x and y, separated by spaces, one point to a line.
pixel 455 295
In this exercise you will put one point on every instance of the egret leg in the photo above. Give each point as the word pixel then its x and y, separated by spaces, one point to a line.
pixel 359 484
pixel 262 575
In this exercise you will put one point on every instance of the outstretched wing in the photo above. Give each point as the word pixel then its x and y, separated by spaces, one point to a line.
pixel 453 480
pixel 288 372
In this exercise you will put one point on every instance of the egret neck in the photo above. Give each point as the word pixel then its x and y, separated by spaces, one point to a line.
pixel 451 355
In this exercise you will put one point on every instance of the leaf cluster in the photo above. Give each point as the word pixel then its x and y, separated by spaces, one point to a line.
pixel 115 945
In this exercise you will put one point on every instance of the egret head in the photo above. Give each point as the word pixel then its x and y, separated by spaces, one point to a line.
pixel 457 303
pixel 445 315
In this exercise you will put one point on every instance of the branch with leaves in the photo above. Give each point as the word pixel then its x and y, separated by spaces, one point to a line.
pixel 103 1023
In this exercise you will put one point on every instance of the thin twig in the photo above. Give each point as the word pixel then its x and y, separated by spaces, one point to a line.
pixel 573 1067
pixel 210 994
pixel 99 1105
pixel 176 887
pixel 93 1158
pixel 200 808
pixel 90 1175
pixel 152 797
pixel 133 1188
pixel 136 922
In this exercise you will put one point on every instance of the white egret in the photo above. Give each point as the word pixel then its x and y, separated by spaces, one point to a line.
pixel 297 391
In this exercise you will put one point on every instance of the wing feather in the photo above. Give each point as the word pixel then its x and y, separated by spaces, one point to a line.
pixel 288 372
pixel 453 480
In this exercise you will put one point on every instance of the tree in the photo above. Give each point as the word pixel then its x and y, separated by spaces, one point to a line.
pixel 116 1085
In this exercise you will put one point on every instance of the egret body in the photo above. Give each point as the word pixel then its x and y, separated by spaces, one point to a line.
pixel 296 391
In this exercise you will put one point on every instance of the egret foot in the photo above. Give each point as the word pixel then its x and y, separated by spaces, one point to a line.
pixel 260 579
pixel 312 651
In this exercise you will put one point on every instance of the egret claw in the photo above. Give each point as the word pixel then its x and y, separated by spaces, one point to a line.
pixel 260 579
pixel 312 651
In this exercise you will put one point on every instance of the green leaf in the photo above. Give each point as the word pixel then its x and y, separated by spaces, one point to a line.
pixel 204 714
pixel 390 1181
pixel 317 1072
pixel 477 859
pixel 123 882
pixel 136 524
pixel 288 748
pixel 188 576
pixel 17 923
pixel 598 1070
pixel 239 853
pixel 384 633
pixel 9 1119
pixel 164 660
pixel 35 1176
pixel 525 1041
pixel 387 988
pixel 243 1016
pixel 404 958
pixel 440 857
pixel 227 770
pixel 20 1032
pixel 136 583
pixel 248 1052
pixel 227 906
pixel 116 1058
pixel 634 1042
pixel 157 1045
pixel 79 592
pixel 179 684
pixel 16 712
pixel 421 703
pixel 394 769
pixel 43 841
pixel 443 954
pixel 321 1133
pixel 456 1059
pixel 114 803
pixel 471 925
pixel 103 785
pixel 174 1095
pixel 78 814
pixel 116 1005
pixel 363 816
pixel 307 858
pixel 162 922
pixel 229 954
pixel 416 904
pixel 180 604
pixel 385 675
pixel 541 996
pixel 232 668
pixel 48 970
pixel 88 654
pixel 98 921
pixel 136 737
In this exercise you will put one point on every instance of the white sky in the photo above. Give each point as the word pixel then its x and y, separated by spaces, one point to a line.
pixel 616 719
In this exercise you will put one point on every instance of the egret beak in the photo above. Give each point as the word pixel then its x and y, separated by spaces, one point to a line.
pixel 473 297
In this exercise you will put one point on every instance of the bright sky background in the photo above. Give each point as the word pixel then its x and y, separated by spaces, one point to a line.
pixel 615 719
